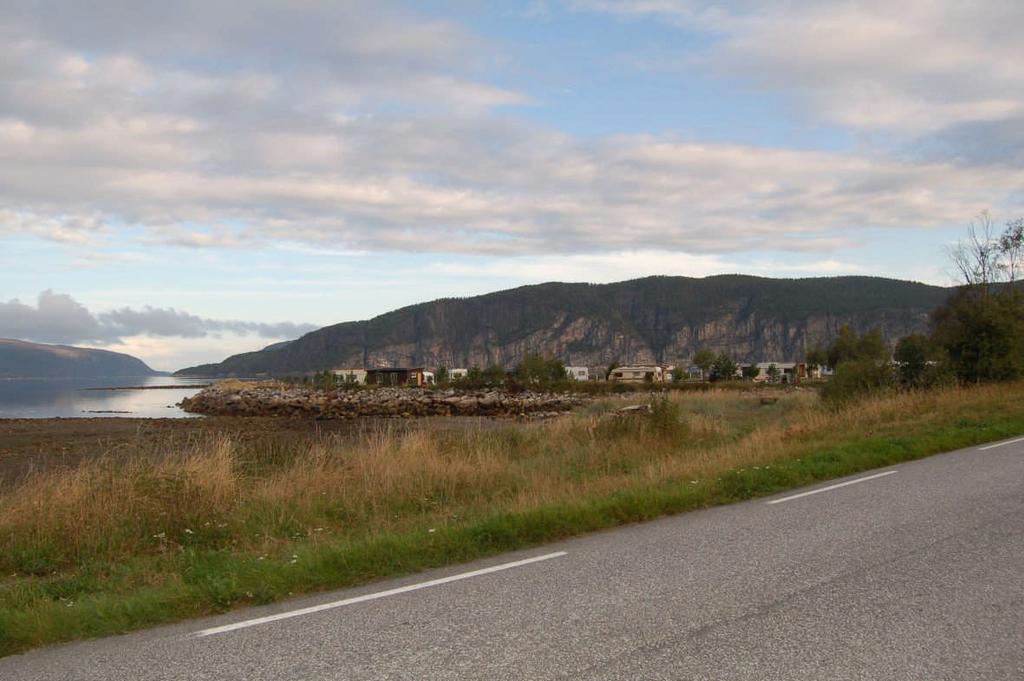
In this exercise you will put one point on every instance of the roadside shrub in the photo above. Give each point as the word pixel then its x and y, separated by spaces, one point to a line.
pixel 665 418
pixel 982 333
pixel 858 378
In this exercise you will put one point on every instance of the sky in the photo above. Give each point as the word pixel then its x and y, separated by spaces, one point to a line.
pixel 187 180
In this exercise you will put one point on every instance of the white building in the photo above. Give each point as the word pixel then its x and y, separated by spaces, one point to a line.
pixel 787 372
pixel 350 375
pixel 456 374
pixel 637 374
pixel 577 373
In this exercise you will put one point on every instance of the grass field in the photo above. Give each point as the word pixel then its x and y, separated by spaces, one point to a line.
pixel 180 527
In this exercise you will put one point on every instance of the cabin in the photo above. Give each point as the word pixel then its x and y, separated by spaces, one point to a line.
pixel 637 374
pixel 457 374
pixel 788 372
pixel 577 373
pixel 344 375
pixel 396 376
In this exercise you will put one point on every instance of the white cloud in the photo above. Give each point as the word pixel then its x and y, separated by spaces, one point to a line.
pixel 73 229
pixel 59 318
pixel 198 127
pixel 910 67
pixel 612 267
pixel 172 353
pixel 56 318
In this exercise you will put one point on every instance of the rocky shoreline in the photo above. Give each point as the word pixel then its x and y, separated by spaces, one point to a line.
pixel 276 400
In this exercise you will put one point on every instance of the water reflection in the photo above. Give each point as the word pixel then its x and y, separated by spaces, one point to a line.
pixel 92 397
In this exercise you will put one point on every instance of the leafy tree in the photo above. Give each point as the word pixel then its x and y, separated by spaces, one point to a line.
pixel 535 369
pixel 703 359
pixel 678 374
pixel 872 346
pixel 750 371
pixel 981 326
pixel 441 375
pixel 843 348
pixel 856 378
pixel 848 347
pixel 611 367
pixel 325 380
pixel 816 357
pixel 494 375
pixel 982 333
pixel 723 368
pixel 556 371
pixel 773 373
pixel 861 365
pixel 912 356
pixel 1011 248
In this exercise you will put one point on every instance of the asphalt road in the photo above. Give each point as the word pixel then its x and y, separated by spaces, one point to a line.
pixel 916 574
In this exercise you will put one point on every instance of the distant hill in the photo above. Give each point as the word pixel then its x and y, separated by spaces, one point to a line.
pixel 656 319
pixel 21 359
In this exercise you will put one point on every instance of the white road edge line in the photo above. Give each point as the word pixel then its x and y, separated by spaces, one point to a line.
pixel 1001 444
pixel 831 487
pixel 374 596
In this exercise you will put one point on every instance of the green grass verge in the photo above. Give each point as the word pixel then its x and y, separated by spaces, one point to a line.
pixel 203 582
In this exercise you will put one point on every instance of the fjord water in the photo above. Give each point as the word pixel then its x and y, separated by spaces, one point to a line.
pixel 96 397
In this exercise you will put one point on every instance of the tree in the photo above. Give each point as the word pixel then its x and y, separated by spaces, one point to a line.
pixel 723 368
pixel 325 380
pixel 985 258
pixel 750 371
pixel 982 333
pixel 816 357
pixel 1011 247
pixel 872 346
pixel 843 348
pixel 976 258
pixel 678 373
pixel 980 327
pixel 848 346
pixel 773 373
pixel 535 369
pixel 556 371
pixel 912 356
pixel 441 375
pixel 861 365
pixel 494 375
pixel 856 378
pixel 703 359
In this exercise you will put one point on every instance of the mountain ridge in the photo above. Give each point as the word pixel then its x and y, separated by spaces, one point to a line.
pixel 652 319
pixel 25 359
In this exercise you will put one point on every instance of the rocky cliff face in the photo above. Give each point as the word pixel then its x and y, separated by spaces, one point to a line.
pixel 658 319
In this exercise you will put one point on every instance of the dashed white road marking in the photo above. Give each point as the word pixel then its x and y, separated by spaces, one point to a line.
pixel 374 596
pixel 831 487
pixel 1001 444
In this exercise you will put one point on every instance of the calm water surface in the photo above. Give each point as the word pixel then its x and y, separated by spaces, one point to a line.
pixel 78 397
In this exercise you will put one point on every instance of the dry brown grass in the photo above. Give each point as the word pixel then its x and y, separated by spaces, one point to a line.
pixel 215 495
pixel 176 528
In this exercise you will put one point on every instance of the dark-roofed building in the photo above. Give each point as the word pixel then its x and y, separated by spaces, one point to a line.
pixel 396 376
